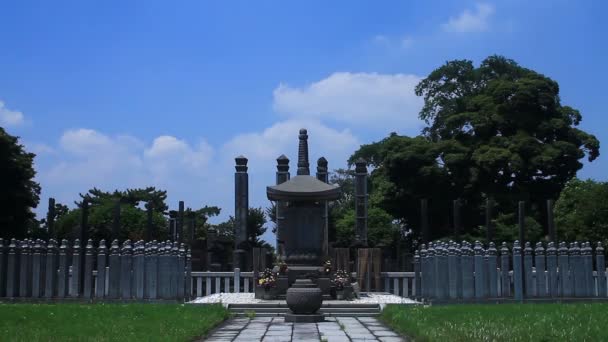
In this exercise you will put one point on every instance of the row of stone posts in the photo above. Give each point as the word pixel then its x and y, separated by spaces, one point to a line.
pixel 452 271
pixel 131 271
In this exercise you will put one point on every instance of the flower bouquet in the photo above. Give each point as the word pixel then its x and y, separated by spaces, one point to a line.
pixel 268 280
pixel 340 281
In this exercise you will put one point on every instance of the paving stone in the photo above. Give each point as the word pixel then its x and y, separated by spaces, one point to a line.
pixel 385 333
pixel 391 339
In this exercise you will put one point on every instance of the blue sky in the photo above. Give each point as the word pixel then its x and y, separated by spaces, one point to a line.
pixel 121 94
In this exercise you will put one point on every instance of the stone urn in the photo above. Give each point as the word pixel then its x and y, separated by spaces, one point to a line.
pixel 304 297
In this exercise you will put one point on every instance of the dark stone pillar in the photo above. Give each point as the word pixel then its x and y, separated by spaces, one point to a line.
pixel 550 223
pixel 150 221
pixel 241 211
pixel 50 218
pixel 361 201
pixel 303 166
pixel 456 217
pixel 489 215
pixel 191 226
pixel 180 222
pixel 172 225
pixel 84 236
pixel 424 220
pixel 115 221
pixel 322 175
pixel 282 176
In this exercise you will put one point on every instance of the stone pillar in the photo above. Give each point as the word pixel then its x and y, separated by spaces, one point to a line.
pixel 88 270
pixel 51 270
pixel 2 269
pixel 191 227
pixel 323 176
pixel 552 268
pixel 563 262
pixel 361 201
pixel 600 264
pixel 505 281
pixel 114 275
pixel 149 221
pixel 303 166
pixel 126 262
pixel 172 225
pixel 84 237
pixel 62 281
pixel 577 270
pixel 25 269
pixel 539 262
pixel 12 270
pixel 456 217
pixel 241 211
pixel 528 277
pixel 480 282
pixel 36 270
pixel 76 263
pixel 282 176
pixel 115 220
pixel 489 215
pixel 424 220
pixel 100 287
pixel 468 267
pixel 518 288
pixel 138 284
pixel 550 222
pixel 492 258
pixel 180 222
pixel 50 218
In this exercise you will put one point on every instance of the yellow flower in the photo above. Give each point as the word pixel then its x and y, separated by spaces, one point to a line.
pixel 261 281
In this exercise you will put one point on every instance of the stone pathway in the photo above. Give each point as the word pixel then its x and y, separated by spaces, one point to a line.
pixel 334 329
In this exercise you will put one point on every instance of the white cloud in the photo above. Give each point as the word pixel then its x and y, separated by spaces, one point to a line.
pixel 367 99
pixel 471 21
pixel 10 117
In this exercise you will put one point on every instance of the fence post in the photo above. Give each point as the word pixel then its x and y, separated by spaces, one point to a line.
pixel 424 281
pixel 100 286
pixel 126 262
pixel 417 280
pixel 2 269
pixel 504 271
pixel 87 288
pixel 75 280
pixel 151 273
pixel 552 269
pixel 63 276
pixel 563 260
pixel 529 276
pixel 36 270
pixel 577 270
pixel 138 270
pixel 237 280
pixel 491 255
pixel 443 276
pixel 453 271
pixel 25 268
pixel 432 260
pixel 468 268
pixel 114 271
pixel 517 272
pixel 189 273
pixel 600 263
pixel 11 270
pixel 480 288
pixel 163 281
pixel 51 270
pixel 587 254
pixel 181 268
pixel 539 262
pixel 173 269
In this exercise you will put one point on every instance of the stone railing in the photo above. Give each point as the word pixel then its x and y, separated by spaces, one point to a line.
pixel 451 271
pixel 206 283
pixel 131 271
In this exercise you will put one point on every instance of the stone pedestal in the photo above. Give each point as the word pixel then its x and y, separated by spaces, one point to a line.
pixel 304 299
pixel 324 284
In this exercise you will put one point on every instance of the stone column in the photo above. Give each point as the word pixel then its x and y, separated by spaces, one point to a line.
pixel 172 225
pixel 115 220
pixel 84 237
pixel 180 222
pixel 100 287
pixel 323 176
pixel 282 176
pixel 150 221
pixel 50 218
pixel 361 201
pixel 303 166
pixel 2 269
pixel 241 211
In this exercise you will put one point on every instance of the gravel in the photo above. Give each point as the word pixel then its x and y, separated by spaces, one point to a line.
pixel 247 298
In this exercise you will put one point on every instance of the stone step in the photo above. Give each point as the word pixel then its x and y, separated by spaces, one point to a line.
pixel 329 309
pixel 323 310
pixel 324 305
pixel 333 314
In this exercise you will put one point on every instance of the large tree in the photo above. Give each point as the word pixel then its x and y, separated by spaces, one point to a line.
pixel 19 192
pixel 498 130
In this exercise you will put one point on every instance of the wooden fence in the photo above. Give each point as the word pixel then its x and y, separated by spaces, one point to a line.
pixel 132 271
pixel 451 271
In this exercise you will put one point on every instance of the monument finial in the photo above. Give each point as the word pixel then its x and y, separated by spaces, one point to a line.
pixel 303 166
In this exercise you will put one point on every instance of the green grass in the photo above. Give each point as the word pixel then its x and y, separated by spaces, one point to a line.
pixel 500 322
pixel 107 322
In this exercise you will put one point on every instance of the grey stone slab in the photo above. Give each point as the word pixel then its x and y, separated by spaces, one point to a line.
pixel 391 339
pixel 387 333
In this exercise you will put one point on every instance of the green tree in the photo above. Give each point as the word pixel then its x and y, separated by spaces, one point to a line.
pixel 20 193
pixel 581 212
pixel 498 130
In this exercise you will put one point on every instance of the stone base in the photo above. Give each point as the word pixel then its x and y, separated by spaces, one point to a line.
pixel 313 318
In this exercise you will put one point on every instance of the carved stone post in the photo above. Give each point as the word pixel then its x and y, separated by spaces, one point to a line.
pixel 62 281
pixel 517 272
pixel 552 268
pixel 241 211
pixel 539 262
pixel 468 267
pixel 2 269
pixel 491 258
pixel 528 278
pixel 36 270
pixel 282 176
pixel 114 275
pixel 88 270
pixel 138 270
pixel 51 270
pixel 480 282
pixel 76 266
pixel 576 270
pixel 361 201
pixel 322 175
pixel 84 236
pixel 25 268
pixel 11 270
pixel 100 287
pixel 564 270
pixel 126 261
pixel 504 270
pixel 600 263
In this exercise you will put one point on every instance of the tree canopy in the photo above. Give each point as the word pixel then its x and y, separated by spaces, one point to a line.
pixel 496 131
pixel 20 193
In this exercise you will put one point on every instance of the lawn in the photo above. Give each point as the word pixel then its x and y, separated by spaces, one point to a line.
pixel 107 322
pixel 500 322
